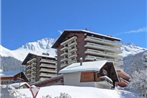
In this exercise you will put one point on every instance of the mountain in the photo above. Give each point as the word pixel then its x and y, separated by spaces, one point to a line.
pixel 131 49
pixel 136 67
pixel 10 63
pixel 38 47
pixel 44 46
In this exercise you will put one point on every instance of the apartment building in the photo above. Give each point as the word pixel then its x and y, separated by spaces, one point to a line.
pixel 39 67
pixel 75 44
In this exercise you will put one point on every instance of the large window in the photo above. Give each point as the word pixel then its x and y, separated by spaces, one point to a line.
pixel 87 76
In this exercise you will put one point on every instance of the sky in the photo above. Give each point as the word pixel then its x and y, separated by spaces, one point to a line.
pixel 24 21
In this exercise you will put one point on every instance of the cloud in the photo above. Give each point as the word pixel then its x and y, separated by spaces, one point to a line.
pixel 135 31
pixel 144 29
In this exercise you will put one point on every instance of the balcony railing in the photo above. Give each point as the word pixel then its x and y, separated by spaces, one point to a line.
pixel 98 58
pixel 74 55
pixel 47 70
pixel 70 39
pixel 47 75
pixel 72 44
pixel 64 53
pixel 32 60
pixel 100 53
pixel 65 47
pixel 103 41
pixel 48 65
pixel 47 61
pixel 102 47
pixel 64 59
pixel 71 50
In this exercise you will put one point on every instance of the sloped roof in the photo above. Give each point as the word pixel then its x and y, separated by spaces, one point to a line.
pixel 33 55
pixel 86 66
pixel 9 73
pixel 65 32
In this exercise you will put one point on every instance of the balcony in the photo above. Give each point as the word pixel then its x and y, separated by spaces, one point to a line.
pixel 31 61
pixel 103 41
pixel 47 70
pixel 47 75
pixel 72 55
pixel 72 44
pixel 48 65
pixel 64 59
pixel 65 47
pixel 71 50
pixel 33 68
pixel 64 53
pixel 47 61
pixel 100 53
pixel 28 71
pixel 102 47
pixel 68 40
pixel 92 58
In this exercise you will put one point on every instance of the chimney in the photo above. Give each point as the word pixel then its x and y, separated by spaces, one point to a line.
pixel 81 60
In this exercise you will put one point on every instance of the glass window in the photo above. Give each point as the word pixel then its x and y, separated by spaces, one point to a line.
pixel 87 76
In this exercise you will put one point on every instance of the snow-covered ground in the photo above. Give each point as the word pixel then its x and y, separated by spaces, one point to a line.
pixel 75 92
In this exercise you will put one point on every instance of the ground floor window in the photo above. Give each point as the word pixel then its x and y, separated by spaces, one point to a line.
pixel 87 76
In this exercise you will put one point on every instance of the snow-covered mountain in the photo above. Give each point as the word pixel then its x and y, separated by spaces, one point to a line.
pixel 44 46
pixel 131 49
pixel 38 47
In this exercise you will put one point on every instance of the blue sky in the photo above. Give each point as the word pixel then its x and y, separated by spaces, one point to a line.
pixel 30 20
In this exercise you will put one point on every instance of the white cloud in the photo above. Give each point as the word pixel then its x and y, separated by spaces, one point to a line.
pixel 144 29
pixel 135 31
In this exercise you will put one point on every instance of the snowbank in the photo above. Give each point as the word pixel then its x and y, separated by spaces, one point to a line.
pixel 77 92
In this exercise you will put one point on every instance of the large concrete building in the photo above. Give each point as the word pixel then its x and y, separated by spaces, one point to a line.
pixel 75 44
pixel 39 67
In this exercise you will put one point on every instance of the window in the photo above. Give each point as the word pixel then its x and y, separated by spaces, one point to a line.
pixel 66 56
pixel 72 47
pixel 87 76
pixel 66 51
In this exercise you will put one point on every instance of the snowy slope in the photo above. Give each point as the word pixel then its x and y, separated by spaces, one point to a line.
pixel 4 52
pixel 38 47
pixel 131 49
pixel 76 92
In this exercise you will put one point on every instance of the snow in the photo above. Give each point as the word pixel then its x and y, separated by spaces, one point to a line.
pixel 77 92
pixel 44 46
pixel 86 66
pixel 9 73
pixel 5 52
pixel 93 33
pixel 130 49
pixel 38 47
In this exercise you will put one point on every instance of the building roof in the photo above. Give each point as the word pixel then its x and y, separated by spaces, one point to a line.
pixel 31 55
pixel 65 32
pixel 9 73
pixel 86 66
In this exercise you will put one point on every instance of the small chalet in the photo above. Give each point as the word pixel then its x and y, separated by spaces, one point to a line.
pixel 8 77
pixel 99 74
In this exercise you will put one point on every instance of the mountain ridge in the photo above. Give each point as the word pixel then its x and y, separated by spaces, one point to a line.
pixel 44 46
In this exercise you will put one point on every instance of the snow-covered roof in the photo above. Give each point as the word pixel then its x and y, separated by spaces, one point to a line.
pixel 93 33
pixel 67 31
pixel 86 66
pixel 9 73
